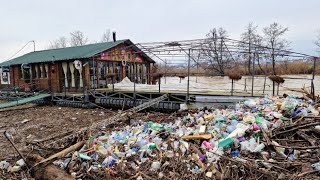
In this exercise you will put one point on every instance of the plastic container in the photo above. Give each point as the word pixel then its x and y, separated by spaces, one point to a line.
pixel 316 166
pixel 207 144
pixel 226 143
pixel 255 127
pixel 235 153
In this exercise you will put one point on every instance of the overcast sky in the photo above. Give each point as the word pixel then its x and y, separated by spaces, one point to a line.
pixel 151 20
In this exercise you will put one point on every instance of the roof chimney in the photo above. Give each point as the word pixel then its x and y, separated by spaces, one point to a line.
pixel 114 36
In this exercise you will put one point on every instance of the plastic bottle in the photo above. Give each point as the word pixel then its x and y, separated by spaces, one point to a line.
pixel 225 143
pixel 141 154
pixel 152 146
pixel 235 153
pixel 195 170
pixel 231 128
pixel 316 166
pixel 141 142
pixel 207 144
pixel 259 148
pixel 164 146
pixel 175 145
pixel 157 140
pixel 255 127
pixel 108 161
pixel 182 149
pixel 155 166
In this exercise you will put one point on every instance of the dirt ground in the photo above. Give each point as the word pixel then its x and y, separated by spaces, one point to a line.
pixel 41 122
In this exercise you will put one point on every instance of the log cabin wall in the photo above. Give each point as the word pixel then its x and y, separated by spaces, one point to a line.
pixel 130 64
pixel 38 80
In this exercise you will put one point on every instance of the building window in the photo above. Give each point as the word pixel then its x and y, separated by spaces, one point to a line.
pixel 25 74
pixel 35 72
pixel 118 71
pixel 43 70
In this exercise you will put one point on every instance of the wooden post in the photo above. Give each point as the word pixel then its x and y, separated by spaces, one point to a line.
pixel 245 84
pixel 264 84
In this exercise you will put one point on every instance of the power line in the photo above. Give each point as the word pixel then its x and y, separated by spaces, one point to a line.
pixel 22 49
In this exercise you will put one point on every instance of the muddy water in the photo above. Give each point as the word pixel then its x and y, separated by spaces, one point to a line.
pixel 223 84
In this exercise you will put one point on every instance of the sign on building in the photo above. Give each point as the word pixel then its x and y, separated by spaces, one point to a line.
pixel 5 75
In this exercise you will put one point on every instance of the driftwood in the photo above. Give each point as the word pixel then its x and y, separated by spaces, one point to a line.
pixel 62 153
pixel 298 147
pixel 299 127
pixel 51 137
pixel 49 172
pixel 307 138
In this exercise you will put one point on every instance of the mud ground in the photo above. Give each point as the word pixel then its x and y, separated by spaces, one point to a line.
pixel 37 123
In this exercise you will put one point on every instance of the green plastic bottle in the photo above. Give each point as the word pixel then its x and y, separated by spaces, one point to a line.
pixel 226 143
pixel 152 146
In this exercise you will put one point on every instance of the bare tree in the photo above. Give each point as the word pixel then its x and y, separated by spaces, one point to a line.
pixel 258 41
pixel 273 39
pixel 61 42
pixel 106 36
pixel 250 37
pixel 78 38
pixel 215 52
pixel 317 41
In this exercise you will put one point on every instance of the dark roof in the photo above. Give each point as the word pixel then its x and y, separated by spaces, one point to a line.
pixel 69 53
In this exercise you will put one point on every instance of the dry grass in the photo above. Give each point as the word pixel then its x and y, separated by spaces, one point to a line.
pixel 276 79
pixel 281 69
pixel 234 76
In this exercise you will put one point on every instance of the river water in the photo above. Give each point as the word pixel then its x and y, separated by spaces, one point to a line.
pixel 222 85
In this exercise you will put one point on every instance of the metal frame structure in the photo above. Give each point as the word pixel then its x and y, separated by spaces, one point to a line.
pixel 193 52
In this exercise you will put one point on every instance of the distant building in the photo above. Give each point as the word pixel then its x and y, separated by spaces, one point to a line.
pixel 74 68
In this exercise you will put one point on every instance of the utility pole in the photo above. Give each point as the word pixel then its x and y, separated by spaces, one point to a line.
pixel 34 45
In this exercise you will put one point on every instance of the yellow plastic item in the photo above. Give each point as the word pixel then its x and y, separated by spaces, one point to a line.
pixel 201 136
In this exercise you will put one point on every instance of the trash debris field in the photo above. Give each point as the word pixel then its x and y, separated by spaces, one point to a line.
pixel 267 138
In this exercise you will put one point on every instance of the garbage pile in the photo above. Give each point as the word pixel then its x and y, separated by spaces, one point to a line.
pixel 266 137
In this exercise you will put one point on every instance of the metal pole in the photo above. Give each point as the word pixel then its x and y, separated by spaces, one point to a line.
pixel 159 84
pixel 252 83
pixel 188 84
pixel 197 70
pixel 313 75
pixel 165 71
pixel 34 45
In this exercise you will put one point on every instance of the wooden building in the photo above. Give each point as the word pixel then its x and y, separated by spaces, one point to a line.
pixel 74 69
